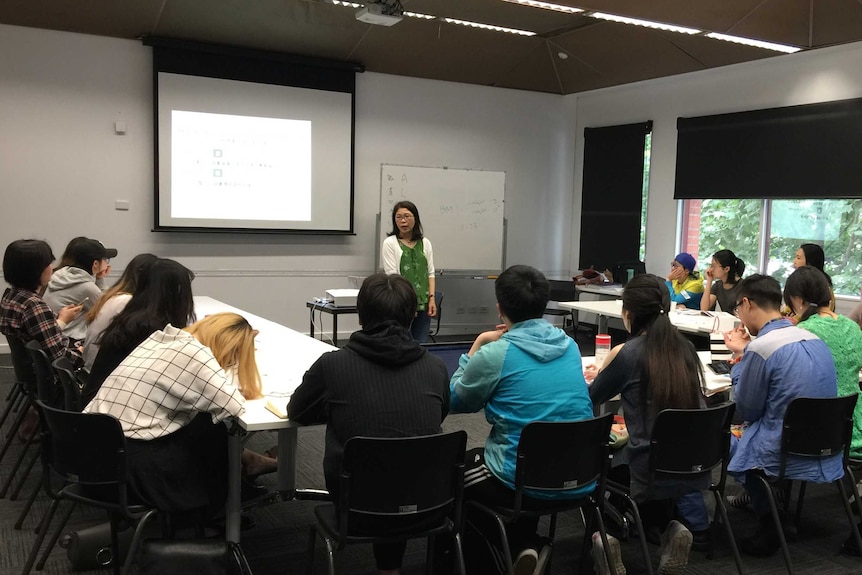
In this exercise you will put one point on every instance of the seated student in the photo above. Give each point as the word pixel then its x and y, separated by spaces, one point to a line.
pixel 23 314
pixel 163 296
pixel 76 283
pixel 684 282
pixel 783 363
pixel 656 369
pixel 172 394
pixel 812 255
pixel 381 384
pixel 112 302
pixel 526 370
pixel 807 293
pixel 722 279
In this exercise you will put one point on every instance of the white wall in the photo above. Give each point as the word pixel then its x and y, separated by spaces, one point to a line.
pixel 63 168
pixel 802 78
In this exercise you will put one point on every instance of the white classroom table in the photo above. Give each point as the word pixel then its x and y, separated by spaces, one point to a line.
pixel 283 355
pixel 690 321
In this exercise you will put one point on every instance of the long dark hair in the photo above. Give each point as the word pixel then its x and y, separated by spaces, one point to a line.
pixel 417 221
pixel 728 259
pixel 815 258
pixel 810 284
pixel 669 366
pixel 163 296
pixel 128 282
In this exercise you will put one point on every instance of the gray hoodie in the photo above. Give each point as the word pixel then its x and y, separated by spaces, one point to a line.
pixel 71 285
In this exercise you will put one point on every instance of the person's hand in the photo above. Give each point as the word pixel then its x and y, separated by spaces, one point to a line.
pixel 69 313
pixel 106 269
pixel 736 340
pixel 432 308
pixel 487 337
pixel 676 273
pixel 708 274
pixel 590 372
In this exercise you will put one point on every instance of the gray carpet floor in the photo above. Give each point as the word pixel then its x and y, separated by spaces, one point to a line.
pixel 278 542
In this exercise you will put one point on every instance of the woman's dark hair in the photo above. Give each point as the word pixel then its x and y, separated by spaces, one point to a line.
pixel 669 363
pixel 728 259
pixel 24 262
pixel 522 293
pixel 386 297
pixel 163 296
pixel 128 282
pixel 815 258
pixel 68 257
pixel 811 285
pixel 417 221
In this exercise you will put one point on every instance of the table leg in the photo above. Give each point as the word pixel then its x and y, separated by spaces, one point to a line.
pixel 335 329
pixel 311 324
pixel 232 506
pixel 603 323
pixel 286 474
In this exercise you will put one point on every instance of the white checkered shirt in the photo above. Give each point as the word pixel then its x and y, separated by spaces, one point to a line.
pixel 164 383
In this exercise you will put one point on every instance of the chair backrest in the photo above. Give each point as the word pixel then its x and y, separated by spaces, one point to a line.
pixel 87 449
pixel 543 466
pixel 420 477
pixel 690 443
pixel 438 299
pixel 562 290
pixel 69 382
pixel 625 271
pixel 817 428
pixel 21 363
pixel 46 381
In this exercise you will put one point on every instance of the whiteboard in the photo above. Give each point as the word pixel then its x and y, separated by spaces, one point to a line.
pixel 461 210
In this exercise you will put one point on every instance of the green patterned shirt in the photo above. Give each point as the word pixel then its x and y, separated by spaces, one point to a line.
pixel 414 267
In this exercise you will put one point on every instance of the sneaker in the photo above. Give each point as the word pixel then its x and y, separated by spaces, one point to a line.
pixel 601 561
pixel 526 562
pixel 675 546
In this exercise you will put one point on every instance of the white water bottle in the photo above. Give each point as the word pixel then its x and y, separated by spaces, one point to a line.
pixel 603 348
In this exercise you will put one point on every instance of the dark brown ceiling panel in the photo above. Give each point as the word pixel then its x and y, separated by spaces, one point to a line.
pixel 600 53
pixel 97 17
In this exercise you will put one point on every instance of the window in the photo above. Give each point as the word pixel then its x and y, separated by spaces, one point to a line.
pixel 738 225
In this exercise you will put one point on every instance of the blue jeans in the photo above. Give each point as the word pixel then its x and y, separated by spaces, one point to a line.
pixel 421 326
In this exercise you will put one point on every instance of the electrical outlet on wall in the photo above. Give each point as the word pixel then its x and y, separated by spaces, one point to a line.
pixel 483 309
pixel 459 310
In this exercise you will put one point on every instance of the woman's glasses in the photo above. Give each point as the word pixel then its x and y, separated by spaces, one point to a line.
pixel 403 218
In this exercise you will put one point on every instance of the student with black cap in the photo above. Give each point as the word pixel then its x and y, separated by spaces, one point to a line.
pixel 76 283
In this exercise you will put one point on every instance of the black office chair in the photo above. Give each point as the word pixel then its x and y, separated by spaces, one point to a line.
pixel 438 298
pixel 24 376
pixel 561 290
pixel 414 483
pixel 817 429
pixel 625 271
pixel 554 456
pixel 69 383
pixel 688 444
pixel 87 452
pixel 25 381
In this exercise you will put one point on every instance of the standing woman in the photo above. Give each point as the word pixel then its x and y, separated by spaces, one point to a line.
pixel 722 278
pixel 407 252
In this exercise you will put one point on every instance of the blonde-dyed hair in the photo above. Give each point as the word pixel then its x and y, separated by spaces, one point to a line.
pixel 231 339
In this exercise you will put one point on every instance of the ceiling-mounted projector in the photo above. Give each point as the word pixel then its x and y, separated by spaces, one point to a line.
pixel 373 14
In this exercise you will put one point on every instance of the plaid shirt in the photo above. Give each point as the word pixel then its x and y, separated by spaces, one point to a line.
pixel 164 383
pixel 25 315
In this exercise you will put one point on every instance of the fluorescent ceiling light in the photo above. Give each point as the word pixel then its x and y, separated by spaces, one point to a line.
pixel 756 43
pixel 418 15
pixel 645 23
pixel 489 27
pixel 546 6
pixel 348 4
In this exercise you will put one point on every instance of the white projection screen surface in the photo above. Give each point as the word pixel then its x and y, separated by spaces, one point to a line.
pixel 246 156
